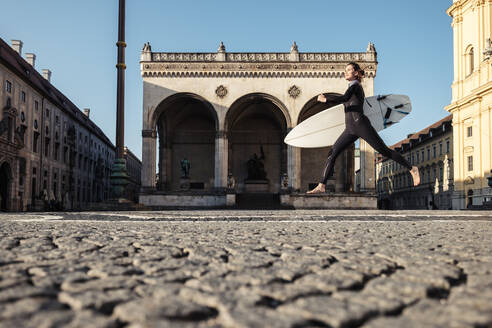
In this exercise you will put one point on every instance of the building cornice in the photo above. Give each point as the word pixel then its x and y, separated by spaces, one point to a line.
pixel 475 96
pixel 247 74
pixel 254 64
pixel 256 57
pixel 252 70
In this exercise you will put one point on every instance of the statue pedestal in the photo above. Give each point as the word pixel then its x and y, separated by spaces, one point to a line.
pixel 256 185
pixel 184 183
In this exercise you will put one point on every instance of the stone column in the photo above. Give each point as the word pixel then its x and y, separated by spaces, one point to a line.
pixel 367 178
pixel 294 167
pixel 221 159
pixel 148 159
pixel 164 157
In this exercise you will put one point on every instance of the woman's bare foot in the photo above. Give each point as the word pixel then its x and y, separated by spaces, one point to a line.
pixel 320 188
pixel 415 175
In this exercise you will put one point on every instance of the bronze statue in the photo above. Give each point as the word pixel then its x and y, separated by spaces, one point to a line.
pixel 185 168
pixel 256 168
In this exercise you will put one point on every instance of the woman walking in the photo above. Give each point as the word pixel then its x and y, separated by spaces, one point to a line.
pixel 357 125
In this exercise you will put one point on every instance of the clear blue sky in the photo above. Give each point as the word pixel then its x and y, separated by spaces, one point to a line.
pixel 76 40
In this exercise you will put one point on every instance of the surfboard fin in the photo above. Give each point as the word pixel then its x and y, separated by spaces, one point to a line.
pixel 388 113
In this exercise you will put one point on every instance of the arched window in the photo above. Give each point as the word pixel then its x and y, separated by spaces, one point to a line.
pixel 469 60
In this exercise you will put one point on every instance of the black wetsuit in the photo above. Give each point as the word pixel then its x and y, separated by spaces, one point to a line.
pixel 357 125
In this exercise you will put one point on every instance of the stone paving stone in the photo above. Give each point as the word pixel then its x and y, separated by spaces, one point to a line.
pixel 162 311
pixel 42 319
pixel 246 269
pixel 101 301
pixel 82 285
pixel 385 304
pixel 25 291
pixel 329 310
pixel 89 318
pixel 28 306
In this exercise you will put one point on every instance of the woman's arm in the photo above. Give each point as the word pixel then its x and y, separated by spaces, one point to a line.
pixel 339 99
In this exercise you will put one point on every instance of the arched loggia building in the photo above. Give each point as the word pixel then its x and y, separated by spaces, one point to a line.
pixel 186 126
pixel 227 115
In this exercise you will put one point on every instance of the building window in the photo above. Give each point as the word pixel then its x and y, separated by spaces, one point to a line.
pixel 418 159
pixel 47 147
pixel 8 86
pixel 23 96
pixel 35 142
pixel 440 148
pixel 469 60
pixel 428 153
pixel 65 155
pixel 470 163
pixel 434 151
pixel 57 151
pixel 423 157
pixel 36 105
pixel 469 131
pixel 440 173
pixel 447 146
pixel 47 112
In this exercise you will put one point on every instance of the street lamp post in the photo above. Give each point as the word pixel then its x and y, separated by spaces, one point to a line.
pixel 119 177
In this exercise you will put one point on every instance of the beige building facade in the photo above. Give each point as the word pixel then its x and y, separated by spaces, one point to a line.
pixel 431 150
pixel 226 114
pixel 471 104
pixel 52 156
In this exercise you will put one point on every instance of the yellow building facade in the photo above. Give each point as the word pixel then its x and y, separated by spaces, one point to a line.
pixel 471 103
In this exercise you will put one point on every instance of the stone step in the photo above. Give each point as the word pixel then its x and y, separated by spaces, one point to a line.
pixel 258 201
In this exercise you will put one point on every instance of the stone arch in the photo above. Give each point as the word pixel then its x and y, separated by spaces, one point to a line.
pixel 5 186
pixel 313 106
pixel 186 126
pixel 255 124
pixel 313 159
pixel 173 99
pixel 257 98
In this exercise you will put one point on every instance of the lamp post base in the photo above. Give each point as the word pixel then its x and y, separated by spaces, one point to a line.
pixel 119 181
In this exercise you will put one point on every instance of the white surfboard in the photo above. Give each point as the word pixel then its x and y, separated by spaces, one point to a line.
pixel 323 129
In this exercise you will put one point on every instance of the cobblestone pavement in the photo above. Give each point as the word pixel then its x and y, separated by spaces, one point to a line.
pixel 246 269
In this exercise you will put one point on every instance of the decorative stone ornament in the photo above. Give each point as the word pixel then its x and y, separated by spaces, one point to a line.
pixel 231 182
pixel 285 181
pixel 149 133
pixel 294 91
pixel 221 91
pixel 221 47
pixel 487 52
